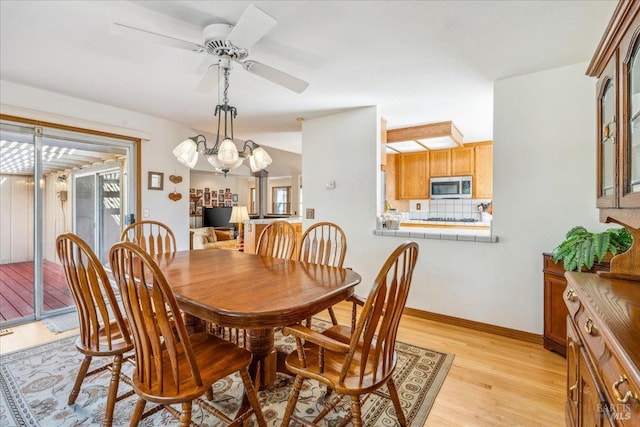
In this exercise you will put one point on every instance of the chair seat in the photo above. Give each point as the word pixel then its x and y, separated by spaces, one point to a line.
pixel 216 358
pixel 355 383
pixel 118 343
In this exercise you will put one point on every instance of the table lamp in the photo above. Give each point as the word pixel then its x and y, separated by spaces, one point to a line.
pixel 239 214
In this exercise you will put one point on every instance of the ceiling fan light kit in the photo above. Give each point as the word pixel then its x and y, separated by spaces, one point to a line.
pixel 227 43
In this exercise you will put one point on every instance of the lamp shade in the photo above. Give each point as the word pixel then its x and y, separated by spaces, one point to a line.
pixel 187 152
pixel 259 159
pixel 239 214
pixel 228 152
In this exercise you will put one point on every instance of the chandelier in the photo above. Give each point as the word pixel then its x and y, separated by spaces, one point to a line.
pixel 224 155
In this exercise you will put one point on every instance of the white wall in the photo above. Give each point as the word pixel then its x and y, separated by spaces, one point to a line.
pixel 161 137
pixel 544 177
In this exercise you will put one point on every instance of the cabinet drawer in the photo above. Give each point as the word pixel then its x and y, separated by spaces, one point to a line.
pixel 614 374
pixel 571 300
pixel 590 333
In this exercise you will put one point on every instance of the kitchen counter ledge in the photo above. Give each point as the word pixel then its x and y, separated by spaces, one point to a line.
pixel 483 236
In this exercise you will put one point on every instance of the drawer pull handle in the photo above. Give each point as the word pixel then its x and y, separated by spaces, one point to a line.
pixel 589 325
pixel 571 294
pixel 571 393
pixel 629 395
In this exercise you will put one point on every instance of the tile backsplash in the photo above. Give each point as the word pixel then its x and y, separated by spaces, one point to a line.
pixel 446 208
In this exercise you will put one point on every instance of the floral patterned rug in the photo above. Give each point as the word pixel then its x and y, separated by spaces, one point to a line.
pixel 35 384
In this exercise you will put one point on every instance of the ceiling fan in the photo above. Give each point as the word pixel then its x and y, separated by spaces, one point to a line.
pixel 227 43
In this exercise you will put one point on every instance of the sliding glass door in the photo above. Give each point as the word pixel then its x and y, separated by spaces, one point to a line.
pixel 98 210
pixel 54 181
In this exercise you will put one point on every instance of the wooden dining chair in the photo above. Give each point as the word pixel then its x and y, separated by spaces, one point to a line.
pixel 171 366
pixel 152 236
pixel 323 243
pixel 277 240
pixel 95 302
pixel 359 362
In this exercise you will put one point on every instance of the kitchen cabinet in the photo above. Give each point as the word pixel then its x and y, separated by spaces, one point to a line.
pixel 392 179
pixel 555 310
pixel 440 163
pixel 483 171
pixel 462 161
pixel 452 162
pixel 616 64
pixel 413 175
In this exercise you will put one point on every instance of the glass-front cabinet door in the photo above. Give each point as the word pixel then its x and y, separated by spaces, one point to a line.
pixel 607 137
pixel 630 149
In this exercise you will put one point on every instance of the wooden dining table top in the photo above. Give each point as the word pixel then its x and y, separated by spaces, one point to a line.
pixel 236 289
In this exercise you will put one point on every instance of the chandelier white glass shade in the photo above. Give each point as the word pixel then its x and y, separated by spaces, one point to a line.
pixel 224 155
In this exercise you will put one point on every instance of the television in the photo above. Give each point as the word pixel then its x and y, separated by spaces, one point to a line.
pixel 216 217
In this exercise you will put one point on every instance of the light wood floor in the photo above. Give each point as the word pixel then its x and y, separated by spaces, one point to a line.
pixel 494 381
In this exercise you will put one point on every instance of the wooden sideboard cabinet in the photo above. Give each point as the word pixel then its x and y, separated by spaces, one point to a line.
pixel 603 351
pixel 555 310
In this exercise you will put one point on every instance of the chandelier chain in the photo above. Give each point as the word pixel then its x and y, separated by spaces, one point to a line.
pixel 225 99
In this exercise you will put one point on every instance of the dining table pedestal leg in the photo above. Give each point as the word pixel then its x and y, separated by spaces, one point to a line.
pixel 261 344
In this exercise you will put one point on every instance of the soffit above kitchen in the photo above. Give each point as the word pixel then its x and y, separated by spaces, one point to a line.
pixel 425 137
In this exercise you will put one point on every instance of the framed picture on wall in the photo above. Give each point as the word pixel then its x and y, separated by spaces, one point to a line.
pixel 228 203
pixel 214 203
pixel 206 190
pixel 221 191
pixel 192 191
pixel 221 198
pixel 235 197
pixel 155 181
pixel 199 210
pixel 207 198
pixel 199 192
pixel 228 196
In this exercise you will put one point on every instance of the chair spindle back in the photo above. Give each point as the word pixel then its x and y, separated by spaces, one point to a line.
pixel 160 337
pixel 153 236
pixel 277 240
pixel 93 295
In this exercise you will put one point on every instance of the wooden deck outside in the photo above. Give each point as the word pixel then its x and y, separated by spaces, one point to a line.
pixel 16 289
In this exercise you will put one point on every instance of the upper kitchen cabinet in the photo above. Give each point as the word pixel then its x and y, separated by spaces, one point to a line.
pixel 440 163
pixel 452 162
pixel 616 64
pixel 462 161
pixel 413 175
pixel 383 144
pixel 483 170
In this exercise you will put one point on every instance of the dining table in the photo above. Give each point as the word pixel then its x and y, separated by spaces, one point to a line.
pixel 259 294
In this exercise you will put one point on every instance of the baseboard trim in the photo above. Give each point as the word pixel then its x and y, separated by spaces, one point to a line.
pixel 479 326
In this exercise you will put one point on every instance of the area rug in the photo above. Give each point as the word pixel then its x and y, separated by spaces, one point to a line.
pixel 35 384
pixel 61 322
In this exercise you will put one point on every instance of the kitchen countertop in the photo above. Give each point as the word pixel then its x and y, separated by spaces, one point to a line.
pixel 472 234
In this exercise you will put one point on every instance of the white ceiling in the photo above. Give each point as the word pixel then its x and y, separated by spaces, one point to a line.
pixel 420 61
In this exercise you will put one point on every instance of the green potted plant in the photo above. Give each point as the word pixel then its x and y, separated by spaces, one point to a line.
pixel 582 248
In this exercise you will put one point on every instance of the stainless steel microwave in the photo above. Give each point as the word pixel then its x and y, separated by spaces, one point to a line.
pixel 453 187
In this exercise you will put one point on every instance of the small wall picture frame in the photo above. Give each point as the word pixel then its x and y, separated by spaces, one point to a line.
pixel 235 197
pixel 155 181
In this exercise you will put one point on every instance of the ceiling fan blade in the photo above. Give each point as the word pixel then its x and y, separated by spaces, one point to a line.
pixel 251 27
pixel 209 81
pixel 279 77
pixel 141 34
